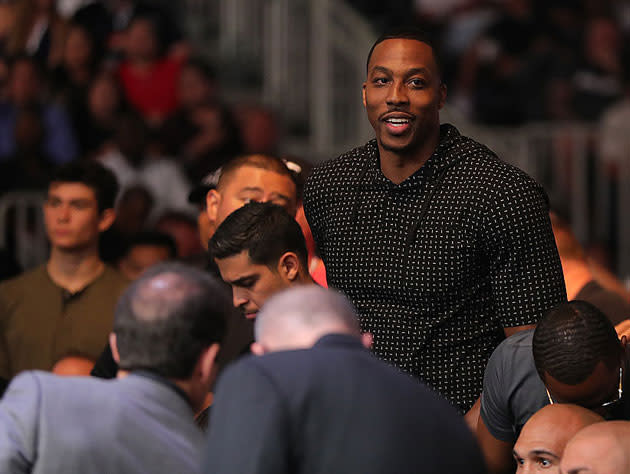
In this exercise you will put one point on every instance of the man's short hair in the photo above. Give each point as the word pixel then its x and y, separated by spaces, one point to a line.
pixel 166 318
pixel 152 238
pixel 571 339
pixel 92 174
pixel 265 162
pixel 265 230
pixel 411 33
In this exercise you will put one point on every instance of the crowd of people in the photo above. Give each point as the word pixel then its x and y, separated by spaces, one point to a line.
pixel 413 305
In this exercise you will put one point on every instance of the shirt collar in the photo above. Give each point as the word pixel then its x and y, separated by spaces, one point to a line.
pixel 164 381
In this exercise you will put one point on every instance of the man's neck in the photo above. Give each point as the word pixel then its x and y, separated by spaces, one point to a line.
pixel 74 270
pixel 397 167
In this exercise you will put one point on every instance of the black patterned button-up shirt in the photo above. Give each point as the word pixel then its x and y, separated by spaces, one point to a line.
pixel 439 264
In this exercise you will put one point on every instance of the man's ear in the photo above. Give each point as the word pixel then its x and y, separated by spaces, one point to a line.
pixel 289 266
pixel 114 347
pixel 213 199
pixel 257 348
pixel 207 360
pixel 367 339
pixel 108 216
pixel 363 94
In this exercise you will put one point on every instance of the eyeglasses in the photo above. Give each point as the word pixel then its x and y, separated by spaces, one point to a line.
pixel 606 404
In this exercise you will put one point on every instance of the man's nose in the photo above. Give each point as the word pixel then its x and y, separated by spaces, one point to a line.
pixel 238 298
pixel 397 94
pixel 63 213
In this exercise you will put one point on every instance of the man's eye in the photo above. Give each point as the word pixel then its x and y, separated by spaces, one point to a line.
pixel 380 80
pixel 544 462
pixel 418 83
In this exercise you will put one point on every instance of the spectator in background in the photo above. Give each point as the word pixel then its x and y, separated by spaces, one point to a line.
pixel 66 304
pixel 149 78
pixel 132 215
pixel 29 167
pixel 132 164
pixel 586 280
pixel 542 441
pixel 105 105
pixel 326 397
pixel 183 230
pixel 38 31
pixel 259 128
pixel 597 79
pixel 166 335
pixel 603 448
pixel 71 80
pixel 144 250
pixel 25 89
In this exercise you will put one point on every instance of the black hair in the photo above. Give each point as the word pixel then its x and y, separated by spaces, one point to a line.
pixel 256 160
pixel 571 339
pixel 411 33
pixel 203 67
pixel 153 238
pixel 164 328
pixel 92 174
pixel 265 230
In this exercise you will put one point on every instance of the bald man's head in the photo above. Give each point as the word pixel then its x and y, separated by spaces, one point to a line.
pixel 545 435
pixel 603 448
pixel 298 317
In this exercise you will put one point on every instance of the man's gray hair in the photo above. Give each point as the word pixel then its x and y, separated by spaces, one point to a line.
pixel 299 316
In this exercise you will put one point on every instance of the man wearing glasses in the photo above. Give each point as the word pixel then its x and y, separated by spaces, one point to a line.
pixel 573 356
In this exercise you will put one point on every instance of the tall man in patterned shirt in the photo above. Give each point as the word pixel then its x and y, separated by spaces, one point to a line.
pixel 443 248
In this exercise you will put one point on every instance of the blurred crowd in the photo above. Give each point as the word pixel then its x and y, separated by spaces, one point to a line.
pixel 509 62
pixel 118 82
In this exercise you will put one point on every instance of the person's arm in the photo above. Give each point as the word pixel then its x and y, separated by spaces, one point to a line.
pixel 494 430
pixel 19 412
pixel 249 429
pixel 497 453
pixel 524 267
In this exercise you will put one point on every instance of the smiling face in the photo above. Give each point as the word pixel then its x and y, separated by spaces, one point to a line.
pixel 73 221
pixel 403 94
pixel 250 183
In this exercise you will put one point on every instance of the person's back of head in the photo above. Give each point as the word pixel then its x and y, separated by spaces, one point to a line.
pixel 298 317
pixel 602 448
pixel 580 359
pixel 167 318
pixel 571 339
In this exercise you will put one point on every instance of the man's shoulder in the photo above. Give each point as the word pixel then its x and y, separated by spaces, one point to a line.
pixel 26 281
pixel 515 346
pixel 346 165
pixel 482 164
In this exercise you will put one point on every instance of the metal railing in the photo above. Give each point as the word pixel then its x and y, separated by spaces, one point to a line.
pixel 303 58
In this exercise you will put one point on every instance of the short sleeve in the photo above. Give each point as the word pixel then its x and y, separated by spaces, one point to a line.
pixel 495 408
pixel 525 271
